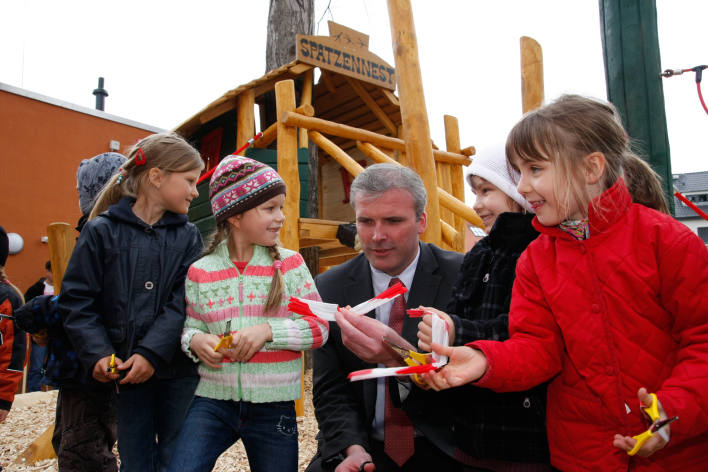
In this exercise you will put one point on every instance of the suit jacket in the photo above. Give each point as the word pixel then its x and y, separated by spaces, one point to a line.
pixel 344 409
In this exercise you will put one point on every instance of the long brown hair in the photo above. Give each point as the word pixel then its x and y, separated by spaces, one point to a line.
pixel 568 129
pixel 167 151
pixel 3 280
pixel 277 285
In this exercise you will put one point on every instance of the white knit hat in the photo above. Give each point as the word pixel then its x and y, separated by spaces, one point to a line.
pixel 490 164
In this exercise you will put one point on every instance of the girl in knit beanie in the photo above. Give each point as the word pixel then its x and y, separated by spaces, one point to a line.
pixel 239 290
pixel 514 437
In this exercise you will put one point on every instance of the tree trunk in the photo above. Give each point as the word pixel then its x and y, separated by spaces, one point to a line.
pixel 287 19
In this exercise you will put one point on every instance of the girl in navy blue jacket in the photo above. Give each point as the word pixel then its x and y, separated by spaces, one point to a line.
pixel 123 294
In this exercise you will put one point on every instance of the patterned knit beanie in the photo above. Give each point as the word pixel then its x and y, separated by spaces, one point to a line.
pixel 490 164
pixel 239 184
pixel 93 174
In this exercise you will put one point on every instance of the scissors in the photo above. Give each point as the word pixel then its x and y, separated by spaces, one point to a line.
pixel 226 339
pixel 411 358
pixel 113 370
pixel 652 412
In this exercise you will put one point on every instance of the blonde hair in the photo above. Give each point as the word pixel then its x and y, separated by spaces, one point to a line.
pixel 277 285
pixel 564 132
pixel 3 280
pixel 167 151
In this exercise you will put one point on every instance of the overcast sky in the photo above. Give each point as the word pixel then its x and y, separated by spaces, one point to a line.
pixel 163 61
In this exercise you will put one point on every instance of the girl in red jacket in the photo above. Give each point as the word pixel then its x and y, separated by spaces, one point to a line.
pixel 610 302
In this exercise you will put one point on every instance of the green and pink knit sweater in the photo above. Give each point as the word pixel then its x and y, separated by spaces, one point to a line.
pixel 216 293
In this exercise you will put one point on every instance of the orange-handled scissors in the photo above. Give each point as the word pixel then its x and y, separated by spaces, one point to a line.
pixel 411 358
pixel 652 412
pixel 226 339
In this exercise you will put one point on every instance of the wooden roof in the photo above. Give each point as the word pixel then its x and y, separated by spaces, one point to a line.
pixel 336 98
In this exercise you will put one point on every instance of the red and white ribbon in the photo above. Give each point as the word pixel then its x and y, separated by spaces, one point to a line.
pixel 393 371
pixel 326 311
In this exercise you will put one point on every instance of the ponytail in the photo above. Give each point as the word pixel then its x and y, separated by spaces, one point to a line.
pixel 3 280
pixel 644 184
pixel 277 286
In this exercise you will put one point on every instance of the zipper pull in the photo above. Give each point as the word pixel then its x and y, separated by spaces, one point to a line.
pixel 527 402
pixel 486 279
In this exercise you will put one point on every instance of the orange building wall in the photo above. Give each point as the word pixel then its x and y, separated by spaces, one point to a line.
pixel 41 146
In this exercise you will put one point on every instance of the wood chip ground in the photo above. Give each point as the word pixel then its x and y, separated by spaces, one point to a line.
pixel 25 424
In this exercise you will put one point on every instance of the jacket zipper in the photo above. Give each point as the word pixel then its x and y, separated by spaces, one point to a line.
pixel 240 315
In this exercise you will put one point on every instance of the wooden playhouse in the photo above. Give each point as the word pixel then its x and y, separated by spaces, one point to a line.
pixel 354 117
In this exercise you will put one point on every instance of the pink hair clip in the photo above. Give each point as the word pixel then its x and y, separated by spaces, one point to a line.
pixel 140 158
pixel 278 265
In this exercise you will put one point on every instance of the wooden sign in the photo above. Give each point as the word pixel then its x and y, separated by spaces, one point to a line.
pixel 346 52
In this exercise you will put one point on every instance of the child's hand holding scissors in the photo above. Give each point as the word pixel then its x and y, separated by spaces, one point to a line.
pixel 658 434
pixel 101 369
pixel 203 345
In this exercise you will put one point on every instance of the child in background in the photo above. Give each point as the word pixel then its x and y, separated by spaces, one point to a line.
pixel 123 294
pixel 611 300
pixel 242 286
pixel 494 431
pixel 13 341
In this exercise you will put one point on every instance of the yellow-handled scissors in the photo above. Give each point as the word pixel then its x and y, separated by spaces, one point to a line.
pixel 226 339
pixel 112 366
pixel 411 358
pixel 657 423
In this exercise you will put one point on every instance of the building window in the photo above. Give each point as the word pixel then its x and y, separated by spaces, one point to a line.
pixel 703 234
pixel 698 198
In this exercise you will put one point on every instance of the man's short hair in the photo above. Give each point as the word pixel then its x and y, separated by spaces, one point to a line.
pixel 380 178
pixel 48 266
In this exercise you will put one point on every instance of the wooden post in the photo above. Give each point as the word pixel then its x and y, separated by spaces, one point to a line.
pixel 444 174
pixel 400 156
pixel 452 143
pixel 306 99
pixel 287 165
pixel 414 113
pixel 245 119
pixel 532 94
pixel 61 245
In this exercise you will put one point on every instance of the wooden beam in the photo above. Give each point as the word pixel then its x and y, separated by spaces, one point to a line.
pixel 457 180
pixel 305 100
pixel 452 238
pixel 335 260
pixel 287 165
pixel 299 121
pixel 271 133
pixel 400 155
pixel 390 96
pixel 409 83
pixel 41 448
pixel 469 151
pixel 327 78
pixel 532 93
pixel 245 119
pixel 374 153
pixel 218 110
pixel 340 156
pixel 269 85
pixel 340 251
pixel 444 178
pixel 298 69
pixel 61 245
pixel 373 106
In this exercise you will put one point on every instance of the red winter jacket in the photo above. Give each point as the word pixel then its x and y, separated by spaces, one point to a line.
pixel 13 344
pixel 624 309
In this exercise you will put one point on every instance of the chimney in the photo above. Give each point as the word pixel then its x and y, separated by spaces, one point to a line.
pixel 101 95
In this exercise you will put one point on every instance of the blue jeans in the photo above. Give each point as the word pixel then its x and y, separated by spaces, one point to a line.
pixel 150 417
pixel 268 431
pixel 34 374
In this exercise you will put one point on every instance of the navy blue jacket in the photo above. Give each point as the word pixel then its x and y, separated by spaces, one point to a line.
pixel 123 291
pixel 490 425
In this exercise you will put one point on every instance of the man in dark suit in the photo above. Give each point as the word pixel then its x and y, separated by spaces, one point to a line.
pixel 359 421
